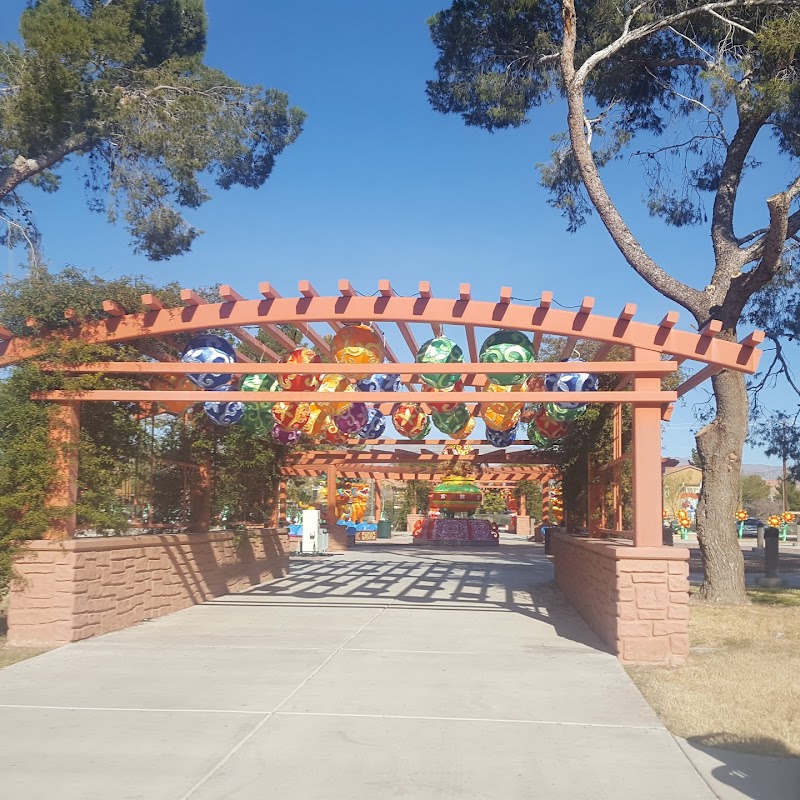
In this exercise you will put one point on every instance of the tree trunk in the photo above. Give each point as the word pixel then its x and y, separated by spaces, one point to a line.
pixel 719 447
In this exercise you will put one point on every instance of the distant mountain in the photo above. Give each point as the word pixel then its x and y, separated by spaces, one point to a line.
pixel 768 472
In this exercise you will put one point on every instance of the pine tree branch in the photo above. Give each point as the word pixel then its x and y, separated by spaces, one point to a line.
pixel 22 169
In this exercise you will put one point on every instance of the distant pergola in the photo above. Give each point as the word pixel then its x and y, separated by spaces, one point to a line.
pixel 654 351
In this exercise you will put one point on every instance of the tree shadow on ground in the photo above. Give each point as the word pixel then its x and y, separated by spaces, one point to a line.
pixel 442 582
pixel 759 777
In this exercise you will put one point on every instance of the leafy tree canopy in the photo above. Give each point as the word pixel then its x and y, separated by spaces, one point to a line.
pixel 123 84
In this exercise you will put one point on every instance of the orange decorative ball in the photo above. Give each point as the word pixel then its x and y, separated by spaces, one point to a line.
pixel 357 344
pixel 446 407
pixel 179 384
pixel 464 433
pixel 333 435
pixel 549 427
pixel 502 415
pixel 291 416
pixel 335 383
pixel 317 423
pixel 296 382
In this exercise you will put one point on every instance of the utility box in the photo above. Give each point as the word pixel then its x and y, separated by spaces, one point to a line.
pixel 310 543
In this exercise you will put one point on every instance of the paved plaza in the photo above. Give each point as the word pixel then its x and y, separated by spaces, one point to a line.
pixel 386 672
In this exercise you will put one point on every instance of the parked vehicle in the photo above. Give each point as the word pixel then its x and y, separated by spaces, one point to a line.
pixel 750 526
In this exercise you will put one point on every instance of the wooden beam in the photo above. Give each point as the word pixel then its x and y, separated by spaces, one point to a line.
pixel 113 308
pixel 152 302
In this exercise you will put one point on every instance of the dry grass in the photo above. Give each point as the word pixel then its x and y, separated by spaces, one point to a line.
pixel 740 688
pixel 10 655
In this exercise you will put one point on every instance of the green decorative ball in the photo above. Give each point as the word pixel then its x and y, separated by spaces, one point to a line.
pixel 424 432
pixel 258 418
pixel 440 350
pixel 562 413
pixel 507 347
pixel 537 438
pixel 452 421
pixel 261 383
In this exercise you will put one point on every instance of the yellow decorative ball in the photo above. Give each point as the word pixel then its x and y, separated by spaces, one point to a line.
pixel 357 344
pixel 291 416
pixel 335 383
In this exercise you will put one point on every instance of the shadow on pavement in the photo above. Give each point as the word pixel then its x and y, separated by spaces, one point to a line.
pixel 754 776
pixel 417 578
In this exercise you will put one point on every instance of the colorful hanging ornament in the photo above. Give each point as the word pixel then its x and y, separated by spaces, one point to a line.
pixel 445 407
pixel 209 348
pixel 507 347
pixel 335 383
pixel 173 384
pixel 357 344
pixel 333 435
pixel 452 421
pixel 501 438
pixel 260 383
pixel 299 382
pixel 466 431
pixel 352 420
pixel 424 432
pixel 502 415
pixel 379 383
pixel 257 419
pixel 284 437
pixel 409 419
pixel 548 426
pixel 374 426
pixel 221 413
pixel 528 413
pixel 570 382
pixel 564 413
pixel 440 350
pixel 536 438
pixel 291 416
pixel 317 421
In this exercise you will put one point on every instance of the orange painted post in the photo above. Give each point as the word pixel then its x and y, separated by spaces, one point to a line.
pixel 647 486
pixel 378 500
pixel 337 534
pixel 65 431
pixel 200 498
pixel 282 507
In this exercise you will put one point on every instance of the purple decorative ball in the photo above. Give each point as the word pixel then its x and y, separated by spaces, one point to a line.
pixel 352 420
pixel 285 437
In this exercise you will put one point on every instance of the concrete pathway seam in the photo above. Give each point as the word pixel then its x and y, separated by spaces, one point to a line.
pixel 139 710
pixel 711 788
pixel 470 719
pixel 235 749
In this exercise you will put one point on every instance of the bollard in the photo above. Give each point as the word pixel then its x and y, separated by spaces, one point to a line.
pixel 771 578
pixel 760 536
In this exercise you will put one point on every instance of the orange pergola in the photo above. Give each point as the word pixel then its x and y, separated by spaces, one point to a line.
pixel 654 351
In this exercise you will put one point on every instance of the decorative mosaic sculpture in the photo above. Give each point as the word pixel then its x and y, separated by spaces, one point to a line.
pixel 221 413
pixel 445 407
pixel 374 426
pixel 440 350
pixel 297 382
pixel 335 383
pixel 285 438
pixel 379 383
pixel 409 419
pixel 501 438
pixel 507 347
pixel 291 416
pixel 357 344
pixel 352 420
pixel 209 348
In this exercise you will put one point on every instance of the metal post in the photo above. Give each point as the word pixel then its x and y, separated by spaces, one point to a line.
pixel 771 578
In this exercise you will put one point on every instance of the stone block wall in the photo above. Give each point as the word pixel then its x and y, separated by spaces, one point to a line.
pixel 78 588
pixel 634 598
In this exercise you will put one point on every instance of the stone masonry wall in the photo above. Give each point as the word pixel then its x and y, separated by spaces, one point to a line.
pixel 634 598
pixel 78 588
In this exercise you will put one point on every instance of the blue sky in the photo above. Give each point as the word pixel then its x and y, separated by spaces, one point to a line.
pixel 381 186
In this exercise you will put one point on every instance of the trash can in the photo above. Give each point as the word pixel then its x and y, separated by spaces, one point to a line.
pixel 384 529
pixel 351 535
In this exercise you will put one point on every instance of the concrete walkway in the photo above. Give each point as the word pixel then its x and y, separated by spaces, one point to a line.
pixel 387 672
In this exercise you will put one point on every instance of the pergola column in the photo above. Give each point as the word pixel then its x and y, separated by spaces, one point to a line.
pixel 337 534
pixel 378 500
pixel 647 486
pixel 65 431
pixel 200 497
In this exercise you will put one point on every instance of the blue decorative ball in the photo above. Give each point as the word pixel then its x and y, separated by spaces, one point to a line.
pixel 570 382
pixel 501 438
pixel 379 383
pixel 375 425
pixel 222 413
pixel 209 349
